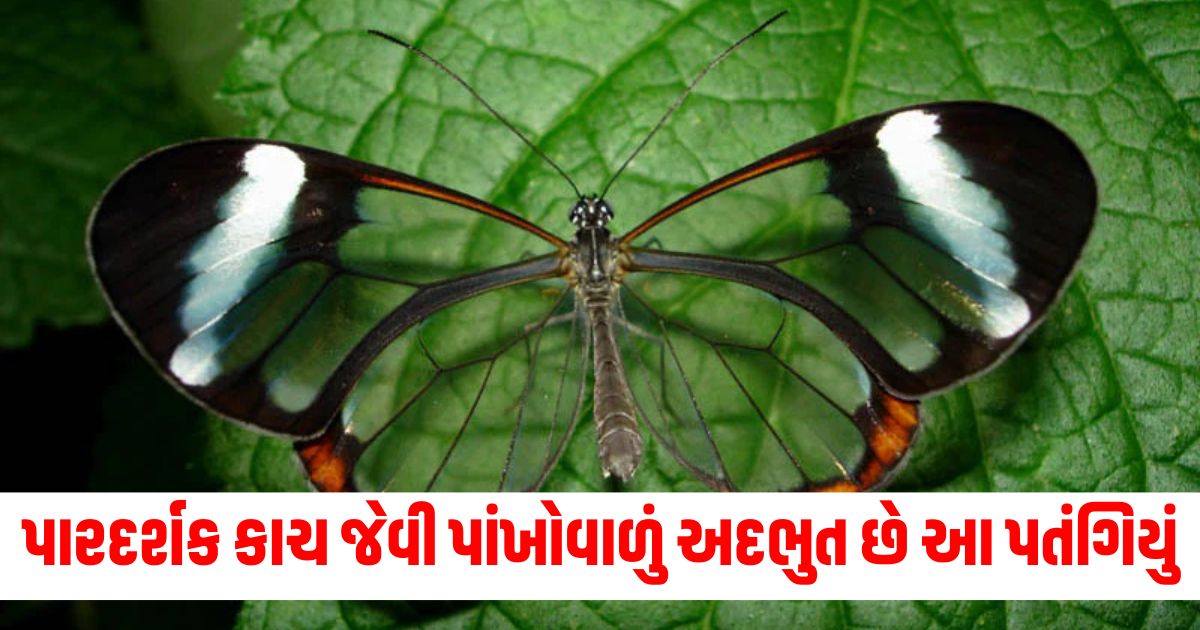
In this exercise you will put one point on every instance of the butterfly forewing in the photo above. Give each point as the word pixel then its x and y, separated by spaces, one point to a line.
pixel 930 239
pixel 824 288
pixel 263 278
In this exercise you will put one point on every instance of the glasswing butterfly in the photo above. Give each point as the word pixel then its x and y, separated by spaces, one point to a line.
pixel 779 337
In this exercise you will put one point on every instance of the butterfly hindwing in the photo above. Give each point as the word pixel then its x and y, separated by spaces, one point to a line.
pixel 479 396
pixel 752 392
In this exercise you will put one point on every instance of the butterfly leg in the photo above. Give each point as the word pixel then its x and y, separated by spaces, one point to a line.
pixel 561 318
pixel 638 331
pixel 556 320
pixel 654 243
pixel 668 403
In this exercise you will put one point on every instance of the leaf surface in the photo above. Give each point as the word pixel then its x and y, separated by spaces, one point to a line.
pixel 1101 398
pixel 81 99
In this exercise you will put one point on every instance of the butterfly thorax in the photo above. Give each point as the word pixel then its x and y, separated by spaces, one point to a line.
pixel 594 252
pixel 595 273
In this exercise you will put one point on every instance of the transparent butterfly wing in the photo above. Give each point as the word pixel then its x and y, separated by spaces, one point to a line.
pixel 481 396
pixel 762 398
pixel 914 249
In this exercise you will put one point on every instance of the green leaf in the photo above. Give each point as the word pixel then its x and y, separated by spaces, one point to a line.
pixel 1101 398
pixel 361 615
pixel 1166 38
pixel 80 100
pixel 733 615
pixel 197 38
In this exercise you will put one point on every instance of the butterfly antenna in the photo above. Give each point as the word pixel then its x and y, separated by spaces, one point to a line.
pixel 441 66
pixel 686 92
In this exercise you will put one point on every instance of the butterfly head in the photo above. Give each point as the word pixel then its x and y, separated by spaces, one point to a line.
pixel 591 212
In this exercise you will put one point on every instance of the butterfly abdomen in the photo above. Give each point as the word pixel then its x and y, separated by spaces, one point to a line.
pixel 619 443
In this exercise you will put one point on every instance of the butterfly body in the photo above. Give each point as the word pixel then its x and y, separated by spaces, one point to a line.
pixel 595 274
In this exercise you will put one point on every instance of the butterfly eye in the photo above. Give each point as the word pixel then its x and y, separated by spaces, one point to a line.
pixel 578 213
pixel 606 210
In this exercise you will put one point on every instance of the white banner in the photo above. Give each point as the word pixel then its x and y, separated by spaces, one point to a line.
pixel 600 546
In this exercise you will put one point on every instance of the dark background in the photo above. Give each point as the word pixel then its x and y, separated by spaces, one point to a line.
pixel 57 390
pixel 55 445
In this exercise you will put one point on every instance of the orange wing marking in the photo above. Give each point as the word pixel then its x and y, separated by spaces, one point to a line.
pixel 888 438
pixel 327 460
pixel 732 179
pixel 464 201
